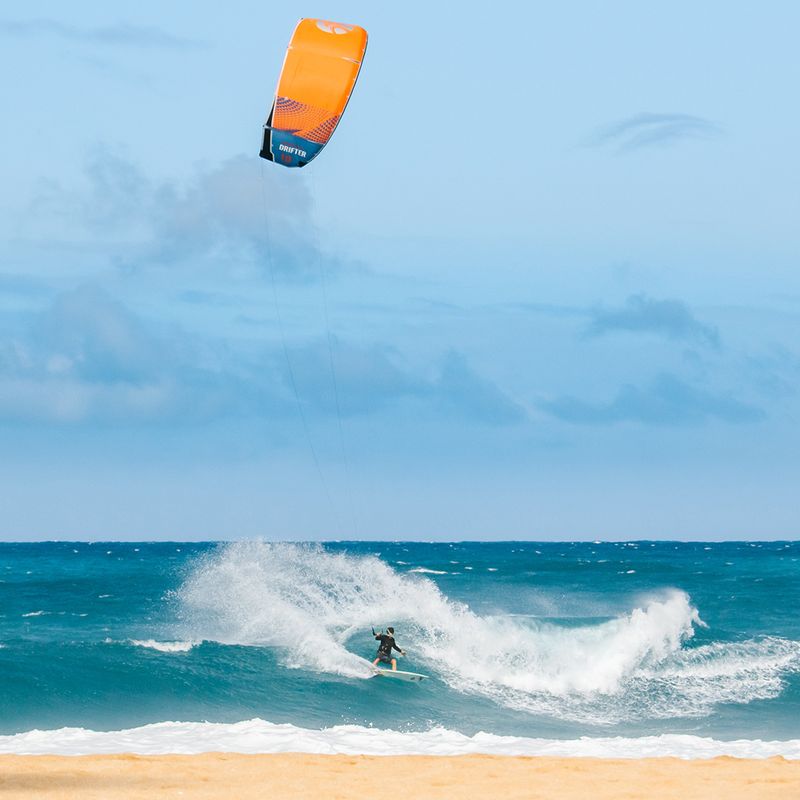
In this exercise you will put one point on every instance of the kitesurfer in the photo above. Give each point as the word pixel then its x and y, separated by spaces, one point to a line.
pixel 387 643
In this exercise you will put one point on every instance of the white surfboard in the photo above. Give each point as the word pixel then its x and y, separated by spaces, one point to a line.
pixel 399 675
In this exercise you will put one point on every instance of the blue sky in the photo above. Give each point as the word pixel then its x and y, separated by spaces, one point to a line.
pixel 543 282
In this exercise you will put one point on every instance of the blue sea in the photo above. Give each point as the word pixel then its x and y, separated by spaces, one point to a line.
pixel 622 648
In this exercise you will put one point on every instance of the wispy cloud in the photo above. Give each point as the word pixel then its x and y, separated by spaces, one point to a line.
pixel 121 34
pixel 668 400
pixel 653 130
pixel 775 373
pixel 642 314
pixel 237 213
pixel 87 359
pixel 461 390
pixel 370 378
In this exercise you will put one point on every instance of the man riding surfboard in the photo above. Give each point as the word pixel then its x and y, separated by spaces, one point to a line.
pixel 387 643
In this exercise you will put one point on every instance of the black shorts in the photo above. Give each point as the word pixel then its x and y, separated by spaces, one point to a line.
pixel 385 658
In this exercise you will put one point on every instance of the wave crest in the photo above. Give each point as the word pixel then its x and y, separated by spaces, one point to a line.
pixel 314 607
pixel 164 647
pixel 259 736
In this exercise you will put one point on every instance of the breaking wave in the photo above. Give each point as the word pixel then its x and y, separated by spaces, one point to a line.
pixel 164 647
pixel 259 736
pixel 313 608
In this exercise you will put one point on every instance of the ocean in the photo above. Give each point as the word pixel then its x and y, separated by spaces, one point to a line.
pixel 623 648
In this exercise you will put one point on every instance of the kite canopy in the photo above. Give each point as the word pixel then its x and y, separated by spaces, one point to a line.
pixel 319 72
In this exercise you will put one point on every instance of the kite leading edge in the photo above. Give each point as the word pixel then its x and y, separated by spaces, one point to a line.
pixel 319 72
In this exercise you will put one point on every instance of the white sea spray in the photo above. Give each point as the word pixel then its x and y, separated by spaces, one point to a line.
pixel 259 736
pixel 313 608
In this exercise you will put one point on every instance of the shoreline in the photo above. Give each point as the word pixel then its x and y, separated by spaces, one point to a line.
pixel 213 776
pixel 260 737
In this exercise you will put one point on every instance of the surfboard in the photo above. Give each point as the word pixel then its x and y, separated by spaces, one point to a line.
pixel 399 675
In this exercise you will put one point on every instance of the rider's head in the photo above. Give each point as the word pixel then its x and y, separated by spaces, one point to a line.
pixel 391 630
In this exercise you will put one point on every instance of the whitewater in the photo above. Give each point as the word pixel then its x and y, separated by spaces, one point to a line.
pixel 627 649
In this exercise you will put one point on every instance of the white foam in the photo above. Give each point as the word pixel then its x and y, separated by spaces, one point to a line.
pixel 425 570
pixel 315 608
pixel 258 736
pixel 35 613
pixel 165 647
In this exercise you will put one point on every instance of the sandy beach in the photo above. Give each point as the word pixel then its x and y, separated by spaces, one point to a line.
pixel 217 775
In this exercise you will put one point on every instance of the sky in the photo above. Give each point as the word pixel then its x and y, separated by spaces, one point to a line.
pixel 542 283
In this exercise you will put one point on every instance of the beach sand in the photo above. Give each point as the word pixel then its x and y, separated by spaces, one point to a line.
pixel 293 775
